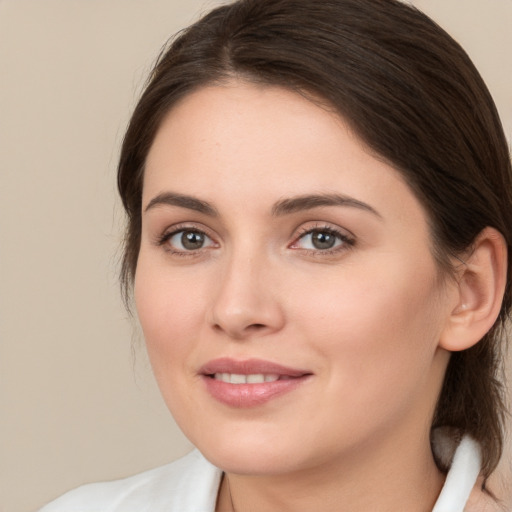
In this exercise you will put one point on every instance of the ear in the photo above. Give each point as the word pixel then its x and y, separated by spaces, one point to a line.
pixel 479 292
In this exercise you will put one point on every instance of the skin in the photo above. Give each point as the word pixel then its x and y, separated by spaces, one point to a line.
pixel 365 318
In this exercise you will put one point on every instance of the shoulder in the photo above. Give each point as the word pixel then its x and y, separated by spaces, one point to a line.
pixel 189 484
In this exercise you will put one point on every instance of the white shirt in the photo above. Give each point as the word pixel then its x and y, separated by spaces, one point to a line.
pixel 191 484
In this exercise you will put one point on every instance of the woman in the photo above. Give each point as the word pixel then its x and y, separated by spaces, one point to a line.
pixel 318 200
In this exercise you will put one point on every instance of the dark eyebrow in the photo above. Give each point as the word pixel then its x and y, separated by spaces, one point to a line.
pixel 308 202
pixel 183 201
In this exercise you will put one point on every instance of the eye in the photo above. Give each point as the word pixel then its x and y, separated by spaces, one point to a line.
pixel 322 239
pixel 187 240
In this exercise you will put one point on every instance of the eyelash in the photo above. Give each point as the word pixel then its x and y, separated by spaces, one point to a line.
pixel 346 241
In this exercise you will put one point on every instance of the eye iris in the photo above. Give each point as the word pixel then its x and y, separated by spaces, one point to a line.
pixel 192 240
pixel 323 240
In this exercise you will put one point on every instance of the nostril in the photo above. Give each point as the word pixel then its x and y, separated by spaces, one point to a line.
pixel 255 327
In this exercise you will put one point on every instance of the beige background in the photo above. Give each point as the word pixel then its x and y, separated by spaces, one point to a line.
pixel 77 404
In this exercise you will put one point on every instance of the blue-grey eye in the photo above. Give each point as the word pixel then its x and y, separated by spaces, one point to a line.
pixel 320 240
pixel 189 240
pixel 323 240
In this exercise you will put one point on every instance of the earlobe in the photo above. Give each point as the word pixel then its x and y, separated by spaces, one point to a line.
pixel 480 289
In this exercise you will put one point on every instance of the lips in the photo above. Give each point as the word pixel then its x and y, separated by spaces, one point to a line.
pixel 249 383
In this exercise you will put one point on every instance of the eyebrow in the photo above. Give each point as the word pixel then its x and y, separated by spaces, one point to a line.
pixel 183 201
pixel 282 207
pixel 308 202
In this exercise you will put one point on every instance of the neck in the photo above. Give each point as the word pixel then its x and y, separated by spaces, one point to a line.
pixel 401 477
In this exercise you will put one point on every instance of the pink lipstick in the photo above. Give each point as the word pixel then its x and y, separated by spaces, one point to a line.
pixel 251 382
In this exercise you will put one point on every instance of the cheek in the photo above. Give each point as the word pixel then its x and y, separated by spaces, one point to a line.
pixel 374 328
pixel 169 311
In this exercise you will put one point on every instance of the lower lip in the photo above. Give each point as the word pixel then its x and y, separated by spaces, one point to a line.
pixel 250 395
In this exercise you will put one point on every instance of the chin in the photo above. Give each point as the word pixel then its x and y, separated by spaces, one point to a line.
pixel 249 454
pixel 249 462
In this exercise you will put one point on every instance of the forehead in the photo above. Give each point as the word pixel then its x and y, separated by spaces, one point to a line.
pixel 251 143
pixel 233 118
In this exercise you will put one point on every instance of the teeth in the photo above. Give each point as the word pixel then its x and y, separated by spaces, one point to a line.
pixel 238 379
pixel 254 378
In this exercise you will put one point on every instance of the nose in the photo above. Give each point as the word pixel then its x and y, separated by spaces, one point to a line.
pixel 246 304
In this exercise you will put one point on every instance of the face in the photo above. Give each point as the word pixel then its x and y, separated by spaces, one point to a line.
pixel 285 284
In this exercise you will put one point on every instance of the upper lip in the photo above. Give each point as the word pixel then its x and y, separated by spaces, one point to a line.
pixel 249 367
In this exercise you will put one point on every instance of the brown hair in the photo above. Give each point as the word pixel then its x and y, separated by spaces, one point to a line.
pixel 409 91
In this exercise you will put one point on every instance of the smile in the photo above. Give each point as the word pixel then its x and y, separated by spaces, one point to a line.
pixel 239 378
pixel 249 383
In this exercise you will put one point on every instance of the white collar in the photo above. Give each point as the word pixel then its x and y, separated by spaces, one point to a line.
pixel 191 484
pixel 461 478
